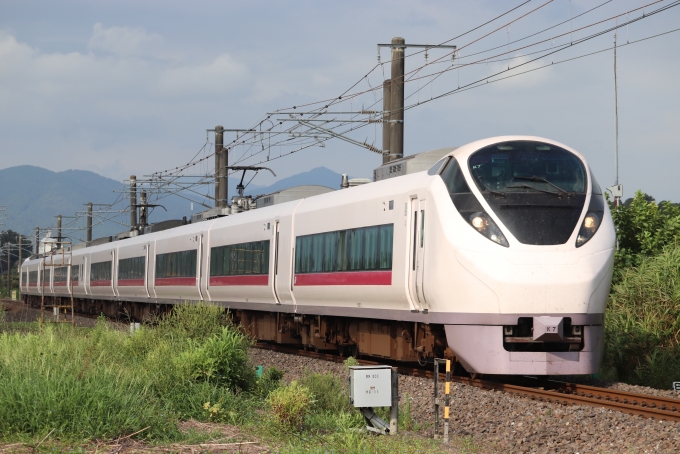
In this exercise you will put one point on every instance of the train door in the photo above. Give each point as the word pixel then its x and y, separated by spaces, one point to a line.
pixel 275 271
pixel 146 270
pixel 200 271
pixel 114 272
pixel 414 253
pixel 152 271
pixel 420 254
pixel 85 275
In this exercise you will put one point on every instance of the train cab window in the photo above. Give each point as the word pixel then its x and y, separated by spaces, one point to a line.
pixel 100 271
pixel 459 190
pixel 361 249
pixel 46 276
pixel 176 264
pixel 33 277
pixel 75 274
pixel 454 179
pixel 24 278
pixel 240 259
pixel 536 189
pixel 132 268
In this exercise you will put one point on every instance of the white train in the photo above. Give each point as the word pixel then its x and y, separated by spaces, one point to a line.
pixel 499 255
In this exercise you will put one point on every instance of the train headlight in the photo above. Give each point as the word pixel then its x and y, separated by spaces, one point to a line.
pixel 592 220
pixel 481 222
pixel 590 225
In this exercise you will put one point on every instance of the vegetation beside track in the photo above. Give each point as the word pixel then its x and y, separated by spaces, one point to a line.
pixel 63 388
pixel 642 342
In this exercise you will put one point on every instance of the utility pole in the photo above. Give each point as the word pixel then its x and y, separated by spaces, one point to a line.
pixel 143 221
pixel 617 198
pixel 9 271
pixel 393 146
pixel 133 202
pixel 221 162
pixel 397 99
pixel 387 103
pixel 59 231
pixel 19 268
pixel 89 221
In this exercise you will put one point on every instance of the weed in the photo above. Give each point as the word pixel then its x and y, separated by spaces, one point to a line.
pixel 290 405
pixel 270 380
pixel 349 362
pixel 329 393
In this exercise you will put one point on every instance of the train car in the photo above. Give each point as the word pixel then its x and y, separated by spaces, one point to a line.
pixel 500 256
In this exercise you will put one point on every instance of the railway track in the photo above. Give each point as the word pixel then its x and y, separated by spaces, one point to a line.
pixel 636 404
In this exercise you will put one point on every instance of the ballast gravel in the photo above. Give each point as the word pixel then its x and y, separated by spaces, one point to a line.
pixel 499 422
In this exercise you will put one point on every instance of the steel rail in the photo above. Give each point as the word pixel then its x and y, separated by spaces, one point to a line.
pixel 636 404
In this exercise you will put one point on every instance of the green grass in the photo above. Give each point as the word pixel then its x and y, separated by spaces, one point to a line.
pixel 65 389
pixel 103 383
pixel 643 323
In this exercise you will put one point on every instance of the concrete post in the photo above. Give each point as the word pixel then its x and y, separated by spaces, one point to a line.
pixel 89 221
pixel 59 232
pixel 19 267
pixel 9 270
pixel 37 240
pixel 394 409
pixel 133 202
pixel 387 102
pixel 397 100
pixel 221 192
pixel 143 221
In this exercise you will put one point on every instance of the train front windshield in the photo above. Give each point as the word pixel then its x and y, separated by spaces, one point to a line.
pixel 536 189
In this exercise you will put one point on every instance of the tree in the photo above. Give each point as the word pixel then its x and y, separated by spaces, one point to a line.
pixel 643 228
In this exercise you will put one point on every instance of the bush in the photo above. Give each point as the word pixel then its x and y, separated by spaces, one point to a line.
pixel 330 394
pixel 643 323
pixel 643 229
pixel 290 405
pixel 221 359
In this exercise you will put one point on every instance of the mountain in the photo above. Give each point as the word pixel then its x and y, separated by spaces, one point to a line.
pixel 34 196
pixel 320 176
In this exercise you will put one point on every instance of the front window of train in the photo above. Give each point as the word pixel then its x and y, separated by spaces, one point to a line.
pixel 536 190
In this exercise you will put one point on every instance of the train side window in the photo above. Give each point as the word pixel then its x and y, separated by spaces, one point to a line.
pixel 240 259
pixel 385 239
pixel 356 246
pixel 330 249
pixel 371 247
pixel 317 253
pixel 360 249
pixel 132 268
pixel 100 271
pixel 176 264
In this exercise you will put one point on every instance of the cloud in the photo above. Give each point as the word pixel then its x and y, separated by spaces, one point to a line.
pixel 215 78
pixel 125 41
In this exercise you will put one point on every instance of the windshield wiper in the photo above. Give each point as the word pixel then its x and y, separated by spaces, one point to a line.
pixel 496 193
pixel 526 186
pixel 543 180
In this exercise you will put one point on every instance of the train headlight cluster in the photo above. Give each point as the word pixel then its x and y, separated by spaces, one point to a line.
pixel 590 225
pixel 487 227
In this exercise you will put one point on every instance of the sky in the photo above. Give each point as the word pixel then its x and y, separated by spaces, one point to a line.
pixel 130 87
